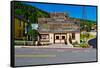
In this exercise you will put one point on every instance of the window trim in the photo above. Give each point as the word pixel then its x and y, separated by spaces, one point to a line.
pixel 58 37
pixel 62 37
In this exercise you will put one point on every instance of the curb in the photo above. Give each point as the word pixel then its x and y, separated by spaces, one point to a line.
pixel 52 47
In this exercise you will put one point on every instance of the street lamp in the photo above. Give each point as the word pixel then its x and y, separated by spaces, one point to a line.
pixel 25 38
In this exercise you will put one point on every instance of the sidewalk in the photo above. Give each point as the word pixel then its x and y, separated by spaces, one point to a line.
pixel 47 46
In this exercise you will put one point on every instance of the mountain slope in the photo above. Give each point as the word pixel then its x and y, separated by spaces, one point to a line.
pixel 28 12
pixel 31 14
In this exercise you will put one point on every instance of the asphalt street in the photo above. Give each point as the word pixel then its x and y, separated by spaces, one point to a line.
pixel 37 56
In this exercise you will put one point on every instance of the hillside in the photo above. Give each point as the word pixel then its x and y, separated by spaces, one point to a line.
pixel 28 12
pixel 31 13
pixel 87 23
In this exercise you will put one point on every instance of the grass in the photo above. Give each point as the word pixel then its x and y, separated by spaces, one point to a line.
pixel 83 36
pixel 84 45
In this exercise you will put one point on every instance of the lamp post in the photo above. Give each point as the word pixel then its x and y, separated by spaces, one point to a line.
pixel 25 38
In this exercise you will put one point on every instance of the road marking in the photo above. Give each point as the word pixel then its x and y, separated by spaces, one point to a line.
pixel 35 56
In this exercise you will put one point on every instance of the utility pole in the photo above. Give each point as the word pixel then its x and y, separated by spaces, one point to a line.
pixel 84 17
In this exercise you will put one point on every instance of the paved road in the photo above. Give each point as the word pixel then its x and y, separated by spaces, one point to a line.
pixel 36 56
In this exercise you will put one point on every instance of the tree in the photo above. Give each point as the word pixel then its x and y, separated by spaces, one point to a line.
pixel 33 34
pixel 86 24
pixel 28 12
pixel 87 36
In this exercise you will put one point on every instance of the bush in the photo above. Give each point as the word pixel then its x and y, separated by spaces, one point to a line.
pixel 22 43
pixel 75 44
pixel 66 42
pixel 81 41
pixel 84 45
pixel 19 43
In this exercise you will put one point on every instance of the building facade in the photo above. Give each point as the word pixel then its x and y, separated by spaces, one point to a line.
pixel 19 28
pixel 58 28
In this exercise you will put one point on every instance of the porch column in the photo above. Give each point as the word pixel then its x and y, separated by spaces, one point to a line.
pixel 77 37
pixel 51 37
pixel 68 38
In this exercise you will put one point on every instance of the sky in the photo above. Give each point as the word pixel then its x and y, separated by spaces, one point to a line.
pixel 72 10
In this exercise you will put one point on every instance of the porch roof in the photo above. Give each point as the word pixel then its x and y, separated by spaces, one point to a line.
pixel 55 31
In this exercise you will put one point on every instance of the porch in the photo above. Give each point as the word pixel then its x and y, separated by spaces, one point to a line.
pixel 59 38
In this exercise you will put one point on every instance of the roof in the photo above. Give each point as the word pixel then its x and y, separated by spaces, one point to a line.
pixel 58 24
pixel 77 31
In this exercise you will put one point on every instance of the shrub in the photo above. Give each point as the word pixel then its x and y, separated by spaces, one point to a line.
pixel 65 41
pixel 84 45
pixel 19 43
pixel 81 41
pixel 22 43
pixel 75 44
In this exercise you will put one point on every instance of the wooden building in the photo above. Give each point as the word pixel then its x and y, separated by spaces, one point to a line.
pixel 58 29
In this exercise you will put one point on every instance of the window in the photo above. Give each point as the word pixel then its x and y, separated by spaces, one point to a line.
pixel 19 23
pixel 63 37
pixel 19 34
pixel 57 37
pixel 73 35
pixel 44 36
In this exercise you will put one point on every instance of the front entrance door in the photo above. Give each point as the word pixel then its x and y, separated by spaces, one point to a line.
pixel 60 38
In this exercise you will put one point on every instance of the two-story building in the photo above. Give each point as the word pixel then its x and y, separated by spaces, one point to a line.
pixel 19 28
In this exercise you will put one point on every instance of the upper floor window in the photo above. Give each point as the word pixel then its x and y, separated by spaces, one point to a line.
pixel 19 23
pixel 19 33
